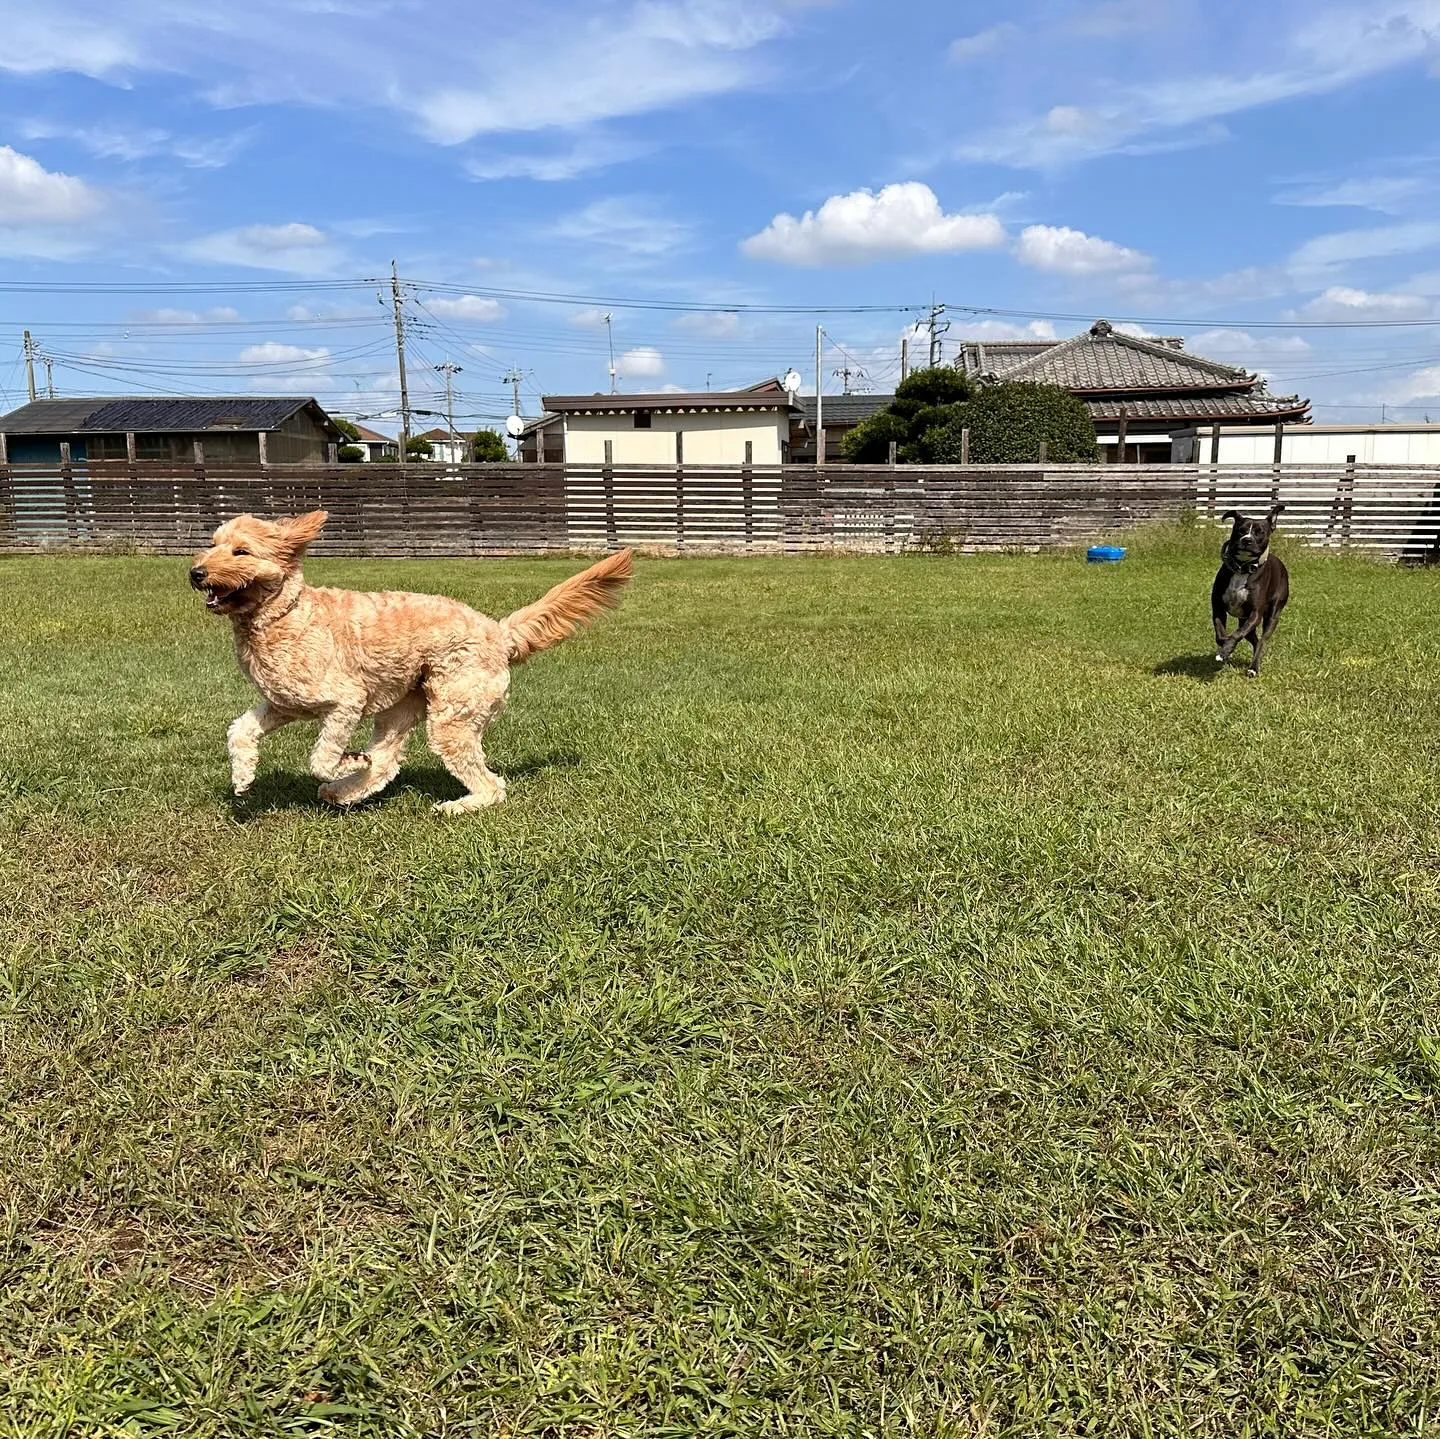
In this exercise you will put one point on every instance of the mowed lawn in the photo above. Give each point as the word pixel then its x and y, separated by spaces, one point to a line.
pixel 910 996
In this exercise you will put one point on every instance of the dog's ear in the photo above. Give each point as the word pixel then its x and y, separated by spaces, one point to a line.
pixel 300 531
pixel 1274 514
pixel 1231 515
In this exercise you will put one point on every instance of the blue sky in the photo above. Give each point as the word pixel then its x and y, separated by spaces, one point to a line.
pixel 1264 179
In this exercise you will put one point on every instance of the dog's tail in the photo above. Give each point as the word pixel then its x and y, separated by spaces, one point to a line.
pixel 572 603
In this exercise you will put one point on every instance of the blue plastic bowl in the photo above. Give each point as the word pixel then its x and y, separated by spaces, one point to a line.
pixel 1104 555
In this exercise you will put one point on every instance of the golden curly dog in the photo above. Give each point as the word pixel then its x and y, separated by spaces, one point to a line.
pixel 338 656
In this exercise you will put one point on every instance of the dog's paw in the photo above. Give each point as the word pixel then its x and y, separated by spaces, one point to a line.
pixel 352 762
pixel 1252 674
pixel 1219 659
pixel 334 793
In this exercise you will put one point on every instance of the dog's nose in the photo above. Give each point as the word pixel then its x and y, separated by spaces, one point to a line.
pixel 197 575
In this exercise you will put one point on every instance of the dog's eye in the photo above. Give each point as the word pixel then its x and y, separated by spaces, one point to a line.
pixel 241 550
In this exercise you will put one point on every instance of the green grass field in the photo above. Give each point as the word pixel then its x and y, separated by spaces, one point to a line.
pixel 908 996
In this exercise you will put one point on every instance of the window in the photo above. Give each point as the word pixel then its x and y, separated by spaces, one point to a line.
pixel 642 420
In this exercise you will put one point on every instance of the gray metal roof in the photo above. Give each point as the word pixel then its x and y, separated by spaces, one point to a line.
pixel 147 414
pixel 753 399
pixel 1255 405
pixel 843 409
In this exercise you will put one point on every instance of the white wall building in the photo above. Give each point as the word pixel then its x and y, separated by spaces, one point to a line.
pixel 1307 445
pixel 731 427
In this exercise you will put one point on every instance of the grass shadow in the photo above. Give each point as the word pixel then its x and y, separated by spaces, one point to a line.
pixel 284 789
pixel 1195 667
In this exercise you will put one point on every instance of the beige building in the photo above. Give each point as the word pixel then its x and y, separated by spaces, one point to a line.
pixel 729 427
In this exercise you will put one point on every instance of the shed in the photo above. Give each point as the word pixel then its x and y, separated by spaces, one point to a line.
pixel 230 429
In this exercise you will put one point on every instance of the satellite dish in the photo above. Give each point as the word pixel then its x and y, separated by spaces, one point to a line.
pixel 513 426
pixel 791 382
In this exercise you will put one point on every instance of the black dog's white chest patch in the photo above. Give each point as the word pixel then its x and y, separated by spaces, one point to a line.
pixel 1237 594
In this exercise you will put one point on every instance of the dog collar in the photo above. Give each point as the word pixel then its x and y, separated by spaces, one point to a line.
pixel 1243 567
pixel 263 622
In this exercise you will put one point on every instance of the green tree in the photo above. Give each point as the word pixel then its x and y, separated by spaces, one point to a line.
pixel 487 446
pixel 417 447
pixel 348 428
pixel 1007 422
pixel 350 454
pixel 924 401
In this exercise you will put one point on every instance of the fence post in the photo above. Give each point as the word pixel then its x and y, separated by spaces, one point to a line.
pixel 894 453
pixel 965 445
pixel 1214 444
pixel 747 493
pixel 1275 462
pixel 1121 434
pixel 67 480
pixel 1347 508
pixel 8 526
pixel 1044 451
pixel 679 489
pixel 607 485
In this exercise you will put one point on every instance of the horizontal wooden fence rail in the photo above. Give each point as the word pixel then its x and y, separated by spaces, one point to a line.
pixel 501 509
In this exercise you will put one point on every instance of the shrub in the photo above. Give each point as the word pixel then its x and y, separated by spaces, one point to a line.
pixel 351 454
pixel 346 427
pixel 486 445
pixel 924 401
pixel 1007 423
pixel 418 448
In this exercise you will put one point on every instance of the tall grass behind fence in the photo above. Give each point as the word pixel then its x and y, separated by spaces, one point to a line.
pixel 494 509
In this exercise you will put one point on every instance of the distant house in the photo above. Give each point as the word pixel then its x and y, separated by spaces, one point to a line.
pixel 377 448
pixel 760 425
pixel 839 414
pixel 229 430
pixel 448 449
pixel 1138 392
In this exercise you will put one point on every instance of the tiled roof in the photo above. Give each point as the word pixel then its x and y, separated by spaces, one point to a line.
pixel 157 414
pixel 373 437
pixel 843 409
pixel 1201 407
pixel 1102 358
pixel 437 436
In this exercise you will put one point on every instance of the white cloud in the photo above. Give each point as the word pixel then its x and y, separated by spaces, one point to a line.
pixel 271 352
pixel 724 325
pixel 1334 47
pixel 626 228
pixel 296 248
pixel 32 195
pixel 1341 302
pixel 1061 250
pixel 641 363
pixel 41 38
pixel 972 47
pixel 1237 344
pixel 221 314
pixel 478 308
pixel 1325 252
pixel 996 330
pixel 589 319
pixel 1420 385
pixel 856 229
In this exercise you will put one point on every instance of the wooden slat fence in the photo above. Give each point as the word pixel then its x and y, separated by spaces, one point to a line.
pixel 551 509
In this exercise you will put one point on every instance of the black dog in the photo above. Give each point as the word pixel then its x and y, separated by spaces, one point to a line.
pixel 1253 585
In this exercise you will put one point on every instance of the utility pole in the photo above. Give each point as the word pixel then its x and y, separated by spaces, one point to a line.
pixel 450 371
pixel 936 330
pixel 904 357
pixel 400 359
pixel 610 333
pixel 819 397
pixel 513 380
pixel 29 365
pixel 49 376
pixel 845 372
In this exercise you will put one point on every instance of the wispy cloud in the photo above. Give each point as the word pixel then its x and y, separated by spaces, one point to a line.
pixel 478 309
pixel 1342 302
pixel 1329 252
pixel 295 248
pixel 624 228
pixel 581 156
pixel 984 42
pixel 1388 194
pixel 864 226
pixel 114 142
pixel 1335 47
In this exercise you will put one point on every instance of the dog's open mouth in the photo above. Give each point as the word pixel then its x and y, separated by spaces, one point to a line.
pixel 218 596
